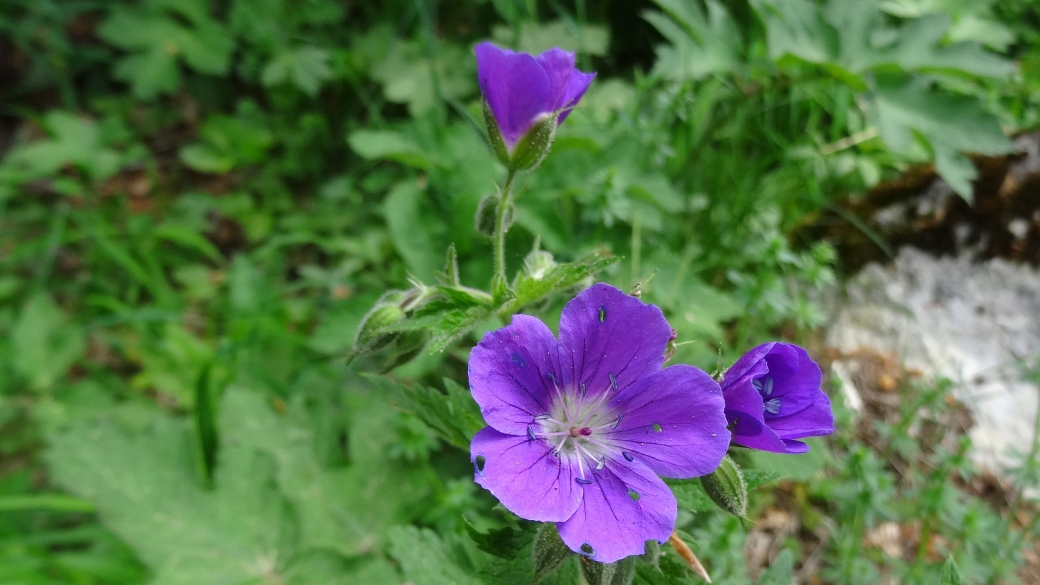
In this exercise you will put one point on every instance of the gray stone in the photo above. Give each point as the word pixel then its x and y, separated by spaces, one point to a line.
pixel 974 323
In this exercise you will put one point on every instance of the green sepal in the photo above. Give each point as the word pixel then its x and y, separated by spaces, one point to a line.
pixel 534 145
pixel 371 333
pixel 498 144
pixel 726 487
pixel 619 573
pixel 549 551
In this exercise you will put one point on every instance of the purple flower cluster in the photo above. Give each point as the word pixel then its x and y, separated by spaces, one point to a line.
pixel 522 89
pixel 581 428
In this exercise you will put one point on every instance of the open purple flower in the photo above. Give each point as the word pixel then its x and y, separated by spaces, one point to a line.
pixel 581 428
pixel 522 89
pixel 773 397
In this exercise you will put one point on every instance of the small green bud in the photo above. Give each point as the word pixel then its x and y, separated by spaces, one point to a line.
pixel 486 219
pixel 726 487
pixel 369 336
pixel 538 264
pixel 406 345
pixel 619 573
pixel 549 551
pixel 534 146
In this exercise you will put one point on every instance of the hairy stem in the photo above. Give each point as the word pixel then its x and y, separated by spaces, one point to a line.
pixel 500 233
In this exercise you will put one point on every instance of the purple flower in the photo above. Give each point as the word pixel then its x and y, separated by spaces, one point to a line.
pixel 773 397
pixel 521 89
pixel 581 428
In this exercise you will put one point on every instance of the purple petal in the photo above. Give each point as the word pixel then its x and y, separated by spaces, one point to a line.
pixel 525 476
pixel 814 421
pixel 509 374
pixel 750 431
pixel 566 83
pixel 796 377
pixel 558 66
pixel 686 404
pixel 612 522
pixel 576 86
pixel 795 447
pixel 609 340
pixel 515 87
pixel 752 364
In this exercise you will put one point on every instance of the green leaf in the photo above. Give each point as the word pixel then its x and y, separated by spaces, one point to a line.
pixel 699 44
pixel 44 344
pixel 205 159
pixel 907 110
pixel 388 145
pixel 306 67
pixel 780 572
pixel 690 495
pixel 452 413
pixel 841 37
pixel 73 141
pixel 533 288
pixel 145 490
pixel 536 37
pixel 505 542
pixel 157 40
pixel 409 230
pixel 425 558
pixel 950 575
pixel 272 501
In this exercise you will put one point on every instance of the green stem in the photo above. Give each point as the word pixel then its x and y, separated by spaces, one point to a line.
pixel 500 233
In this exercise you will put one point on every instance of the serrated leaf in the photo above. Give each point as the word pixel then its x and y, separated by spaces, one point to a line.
pixel 906 110
pixel 505 542
pixel 157 40
pixel 535 37
pixel 425 558
pixel 531 290
pixel 452 413
pixel 700 44
pixel 306 67
pixel 146 491
pixel 840 36
pixel 271 498
pixel 690 495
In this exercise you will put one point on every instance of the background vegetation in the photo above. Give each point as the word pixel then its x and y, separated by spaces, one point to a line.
pixel 199 202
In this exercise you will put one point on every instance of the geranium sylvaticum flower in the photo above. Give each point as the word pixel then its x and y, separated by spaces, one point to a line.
pixel 523 90
pixel 773 398
pixel 581 428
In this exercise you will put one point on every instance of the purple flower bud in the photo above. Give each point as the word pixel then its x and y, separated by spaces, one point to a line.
pixel 773 397
pixel 522 89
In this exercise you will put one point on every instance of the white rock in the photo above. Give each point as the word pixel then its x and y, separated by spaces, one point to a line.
pixel 974 323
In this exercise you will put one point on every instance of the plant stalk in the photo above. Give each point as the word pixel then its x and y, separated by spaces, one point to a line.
pixel 504 201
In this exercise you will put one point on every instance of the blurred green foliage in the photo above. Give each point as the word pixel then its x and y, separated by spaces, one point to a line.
pixel 201 202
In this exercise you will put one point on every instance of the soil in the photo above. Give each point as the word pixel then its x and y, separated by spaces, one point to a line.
pixel 919 209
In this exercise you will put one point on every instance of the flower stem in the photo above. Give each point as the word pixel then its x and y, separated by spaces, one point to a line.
pixel 498 284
